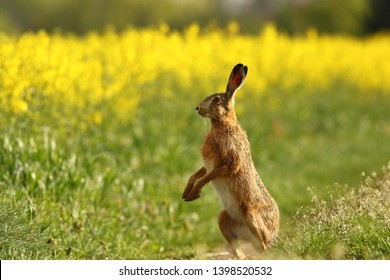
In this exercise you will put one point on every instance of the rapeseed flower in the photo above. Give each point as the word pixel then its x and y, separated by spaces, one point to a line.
pixel 116 70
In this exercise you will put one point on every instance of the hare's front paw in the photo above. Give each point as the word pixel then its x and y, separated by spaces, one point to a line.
pixel 187 190
pixel 194 194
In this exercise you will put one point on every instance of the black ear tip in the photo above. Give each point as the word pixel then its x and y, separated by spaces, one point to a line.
pixel 241 66
pixel 238 66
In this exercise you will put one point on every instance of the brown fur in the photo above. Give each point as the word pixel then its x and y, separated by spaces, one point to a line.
pixel 250 213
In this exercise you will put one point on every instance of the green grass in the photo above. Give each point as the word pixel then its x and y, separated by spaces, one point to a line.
pixel 113 191
pixel 354 224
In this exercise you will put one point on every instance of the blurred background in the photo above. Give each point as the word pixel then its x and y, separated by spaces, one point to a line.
pixel 99 133
pixel 355 17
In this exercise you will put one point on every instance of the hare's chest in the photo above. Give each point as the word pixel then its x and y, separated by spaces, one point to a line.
pixel 216 148
pixel 209 151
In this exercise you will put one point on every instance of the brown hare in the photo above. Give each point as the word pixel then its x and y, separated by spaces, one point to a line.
pixel 250 213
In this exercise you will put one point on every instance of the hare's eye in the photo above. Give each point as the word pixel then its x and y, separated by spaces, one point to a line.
pixel 217 99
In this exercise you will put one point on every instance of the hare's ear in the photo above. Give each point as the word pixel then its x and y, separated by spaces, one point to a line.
pixel 236 79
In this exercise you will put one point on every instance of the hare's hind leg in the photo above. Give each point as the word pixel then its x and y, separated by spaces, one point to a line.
pixel 229 228
pixel 258 229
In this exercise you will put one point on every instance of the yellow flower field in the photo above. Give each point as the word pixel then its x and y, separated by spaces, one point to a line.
pixel 99 135
pixel 115 68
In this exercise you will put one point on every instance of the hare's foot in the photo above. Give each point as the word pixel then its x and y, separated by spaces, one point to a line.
pixel 230 228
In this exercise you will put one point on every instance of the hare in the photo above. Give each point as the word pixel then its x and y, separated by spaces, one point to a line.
pixel 250 213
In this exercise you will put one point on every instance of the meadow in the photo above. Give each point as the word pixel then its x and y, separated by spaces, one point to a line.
pixel 99 134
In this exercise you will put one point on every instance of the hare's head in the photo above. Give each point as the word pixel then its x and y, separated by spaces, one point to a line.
pixel 220 105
